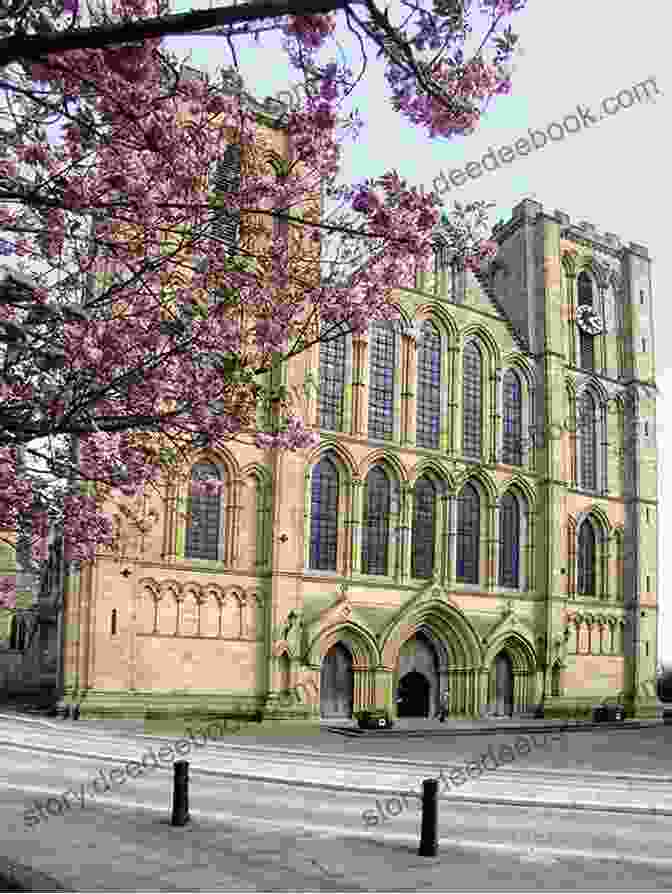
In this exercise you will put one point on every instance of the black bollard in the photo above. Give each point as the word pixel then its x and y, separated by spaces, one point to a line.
pixel 180 794
pixel 429 841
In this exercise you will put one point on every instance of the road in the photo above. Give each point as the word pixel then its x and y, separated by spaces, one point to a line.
pixel 545 818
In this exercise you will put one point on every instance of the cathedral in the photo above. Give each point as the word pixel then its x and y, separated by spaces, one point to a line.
pixel 479 518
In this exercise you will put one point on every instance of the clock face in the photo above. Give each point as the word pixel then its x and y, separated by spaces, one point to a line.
pixel 589 321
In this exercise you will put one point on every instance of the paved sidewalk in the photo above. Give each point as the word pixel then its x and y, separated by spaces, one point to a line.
pixel 114 850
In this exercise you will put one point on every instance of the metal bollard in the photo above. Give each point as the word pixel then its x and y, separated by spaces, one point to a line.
pixel 429 841
pixel 180 794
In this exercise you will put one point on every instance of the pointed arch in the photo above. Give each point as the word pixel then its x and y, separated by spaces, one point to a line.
pixel 482 479
pixel 487 344
pixel 512 418
pixel 424 530
pixel 391 461
pixel 586 558
pixel 338 450
pixel 334 350
pixel 510 538
pixel 376 525
pixel 324 502
pixel 588 432
pixel 473 374
pixel 448 625
pixel 519 647
pixel 384 352
pixel 358 640
pixel 327 501
pixel 428 386
pixel 432 468
pixel 469 514
pixel 440 316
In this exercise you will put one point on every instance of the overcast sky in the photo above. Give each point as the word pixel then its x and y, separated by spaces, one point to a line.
pixel 613 174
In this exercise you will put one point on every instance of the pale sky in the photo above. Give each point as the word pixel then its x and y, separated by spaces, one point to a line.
pixel 613 174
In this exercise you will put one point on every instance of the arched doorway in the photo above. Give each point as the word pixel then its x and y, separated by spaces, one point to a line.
pixel 336 683
pixel 503 669
pixel 413 695
pixel 418 654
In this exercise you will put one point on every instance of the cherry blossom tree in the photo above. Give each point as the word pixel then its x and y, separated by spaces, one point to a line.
pixel 135 331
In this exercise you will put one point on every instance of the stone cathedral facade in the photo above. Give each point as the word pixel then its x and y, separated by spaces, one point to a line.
pixel 480 515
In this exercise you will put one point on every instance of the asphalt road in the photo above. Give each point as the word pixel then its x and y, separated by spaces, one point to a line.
pixel 588 811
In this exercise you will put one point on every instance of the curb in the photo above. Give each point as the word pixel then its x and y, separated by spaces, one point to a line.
pixel 18 877
pixel 576 726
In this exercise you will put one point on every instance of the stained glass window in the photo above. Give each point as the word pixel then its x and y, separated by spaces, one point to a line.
pixel 332 379
pixel 509 541
pixel 468 534
pixel 423 529
pixel 381 381
pixel 471 402
pixel 204 516
pixel 513 420
pixel 324 516
pixel 429 387
pixel 588 427
pixel 377 523
pixel 586 571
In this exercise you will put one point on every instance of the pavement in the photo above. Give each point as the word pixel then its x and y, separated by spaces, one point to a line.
pixel 136 849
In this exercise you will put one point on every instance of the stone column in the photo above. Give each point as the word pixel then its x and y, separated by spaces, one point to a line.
pixel 494 433
pixel 491 541
pixel 483 678
pixel 496 511
pixel 356 525
pixel 451 558
pixel 360 385
pixel 409 356
pixel 456 403
pixel 232 524
pixel 404 547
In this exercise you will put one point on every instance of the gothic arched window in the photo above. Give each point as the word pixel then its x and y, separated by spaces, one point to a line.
pixel 471 401
pixel 588 437
pixel 586 569
pixel 204 514
pixel 512 447
pixel 509 542
pixel 376 523
pixel 382 364
pixel 586 341
pixel 226 179
pixel 429 387
pixel 324 516
pixel 332 378
pixel 468 534
pixel 424 520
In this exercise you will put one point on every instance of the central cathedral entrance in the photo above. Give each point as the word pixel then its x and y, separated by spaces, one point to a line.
pixel 417 692
pixel 413 695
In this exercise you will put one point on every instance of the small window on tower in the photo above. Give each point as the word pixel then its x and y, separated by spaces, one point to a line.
pixel 643 344
pixel 641 296
pixel 648 583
